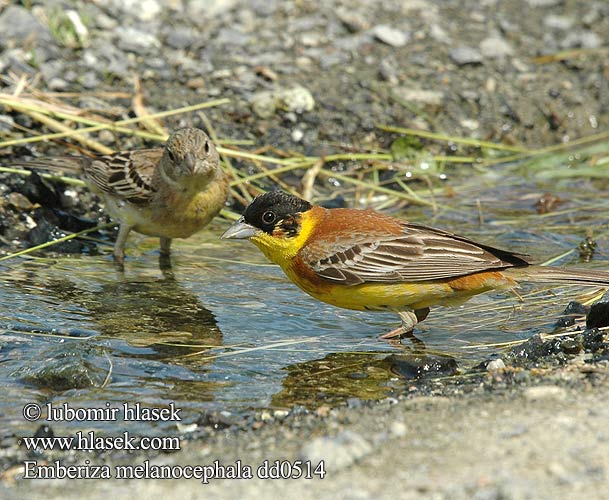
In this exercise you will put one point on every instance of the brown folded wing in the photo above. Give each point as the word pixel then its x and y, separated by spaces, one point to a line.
pixel 128 175
pixel 414 253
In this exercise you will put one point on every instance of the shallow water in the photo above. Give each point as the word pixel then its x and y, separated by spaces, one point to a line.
pixel 225 331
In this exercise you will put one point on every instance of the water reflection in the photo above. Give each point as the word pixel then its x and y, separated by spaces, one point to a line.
pixel 363 375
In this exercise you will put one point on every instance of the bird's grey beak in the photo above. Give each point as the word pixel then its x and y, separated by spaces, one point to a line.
pixel 240 230
pixel 191 161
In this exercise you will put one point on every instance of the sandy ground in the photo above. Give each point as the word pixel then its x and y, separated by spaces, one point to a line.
pixel 545 441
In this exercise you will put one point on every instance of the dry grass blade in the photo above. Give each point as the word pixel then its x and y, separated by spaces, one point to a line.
pixel 239 352
pixel 569 54
pixel 43 108
pixel 308 180
pixel 67 180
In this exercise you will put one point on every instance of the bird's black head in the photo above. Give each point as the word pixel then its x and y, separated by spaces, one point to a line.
pixel 275 209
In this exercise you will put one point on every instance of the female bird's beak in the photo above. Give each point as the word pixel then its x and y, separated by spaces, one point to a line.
pixel 240 230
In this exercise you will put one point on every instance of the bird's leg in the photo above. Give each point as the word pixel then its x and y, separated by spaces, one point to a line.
pixel 409 321
pixel 165 246
pixel 119 244
pixel 164 259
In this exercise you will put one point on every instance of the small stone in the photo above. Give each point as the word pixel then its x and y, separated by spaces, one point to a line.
pixel 297 135
pixel 391 36
pixel 495 364
pixel 295 100
pixel 438 33
pixel 263 104
pixel 181 38
pixel 555 22
pixel 398 429
pixel 18 24
pixel 196 83
pixel 323 411
pixel 337 452
pixel 544 3
pixel 598 315
pixel 352 21
pixel 280 414
pixel 465 55
pixel 495 47
pixel 209 8
pixel 89 80
pixel 388 70
pixel 581 39
pixel 545 392
pixel 144 10
pixel 134 40
pixel 431 97
pixel 19 201
pixel 58 84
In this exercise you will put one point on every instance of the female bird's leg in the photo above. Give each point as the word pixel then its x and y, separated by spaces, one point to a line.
pixel 165 245
pixel 409 320
pixel 119 244
pixel 164 257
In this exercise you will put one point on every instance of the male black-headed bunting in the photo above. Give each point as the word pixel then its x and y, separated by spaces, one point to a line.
pixel 170 192
pixel 367 261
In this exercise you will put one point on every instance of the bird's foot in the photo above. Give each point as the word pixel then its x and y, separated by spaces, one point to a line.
pixel 164 262
pixel 409 321
pixel 119 261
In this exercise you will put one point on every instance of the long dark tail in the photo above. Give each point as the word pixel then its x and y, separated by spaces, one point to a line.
pixel 557 275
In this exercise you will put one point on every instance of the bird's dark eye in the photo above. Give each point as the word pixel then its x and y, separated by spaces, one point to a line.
pixel 268 217
pixel 206 147
pixel 171 155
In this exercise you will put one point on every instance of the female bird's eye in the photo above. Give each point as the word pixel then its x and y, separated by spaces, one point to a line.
pixel 268 217
pixel 171 155
pixel 206 147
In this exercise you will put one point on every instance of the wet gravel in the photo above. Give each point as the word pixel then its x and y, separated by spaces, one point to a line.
pixel 312 77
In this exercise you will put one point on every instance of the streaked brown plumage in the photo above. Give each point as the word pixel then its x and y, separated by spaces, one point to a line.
pixel 364 260
pixel 169 192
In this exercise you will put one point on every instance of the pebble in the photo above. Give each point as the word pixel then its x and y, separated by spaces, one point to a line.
pixel 545 392
pixel 209 8
pixel 493 47
pixel 438 33
pixel 181 38
pixel 465 55
pixel 544 3
pixel 297 99
pixel 555 22
pixel 134 40
pixel 297 135
pixel 391 36
pixel 18 24
pixel 144 10
pixel 431 97
pixel 338 452
pixel 19 201
pixel 398 429
pixel 354 22
pixel 388 70
pixel 495 364
pixel 581 39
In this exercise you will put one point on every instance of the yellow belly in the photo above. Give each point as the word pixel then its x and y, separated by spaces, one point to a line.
pixel 175 218
pixel 398 296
